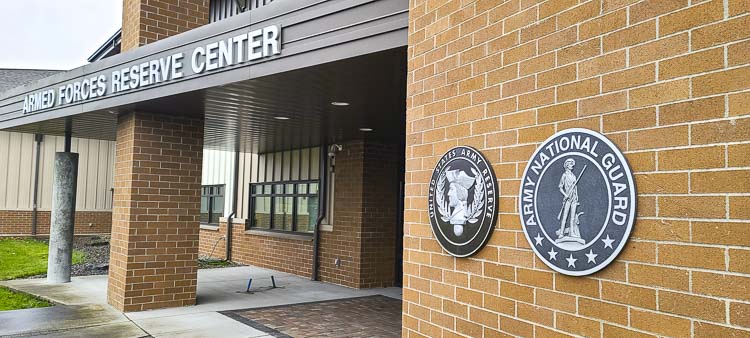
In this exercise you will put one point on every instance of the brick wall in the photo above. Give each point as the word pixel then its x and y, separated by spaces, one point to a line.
pixel 667 81
pixel 292 255
pixel 212 242
pixel 156 213
pixel 345 241
pixel 380 177
pixel 18 222
pixel 146 21
pixel 366 199
pixel 363 235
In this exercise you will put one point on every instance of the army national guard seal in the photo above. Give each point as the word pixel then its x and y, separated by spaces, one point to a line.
pixel 462 201
pixel 577 202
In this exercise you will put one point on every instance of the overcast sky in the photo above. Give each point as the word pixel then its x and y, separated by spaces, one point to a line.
pixel 55 34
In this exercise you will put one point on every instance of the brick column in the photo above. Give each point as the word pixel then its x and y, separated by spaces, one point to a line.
pixel 146 21
pixel 156 213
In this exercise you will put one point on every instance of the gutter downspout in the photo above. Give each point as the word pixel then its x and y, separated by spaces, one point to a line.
pixel 34 213
pixel 322 205
pixel 235 194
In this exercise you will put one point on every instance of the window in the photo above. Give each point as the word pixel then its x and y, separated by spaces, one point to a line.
pixel 284 206
pixel 212 204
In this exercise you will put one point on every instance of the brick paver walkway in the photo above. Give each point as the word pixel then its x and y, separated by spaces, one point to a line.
pixel 373 316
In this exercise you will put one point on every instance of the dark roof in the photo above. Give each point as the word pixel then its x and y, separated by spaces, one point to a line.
pixel 109 48
pixel 11 78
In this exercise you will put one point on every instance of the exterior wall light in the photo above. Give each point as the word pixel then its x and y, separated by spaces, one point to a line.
pixel 365 129
pixel 281 118
pixel 339 104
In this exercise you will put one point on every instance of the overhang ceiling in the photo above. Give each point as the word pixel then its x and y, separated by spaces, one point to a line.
pixel 245 113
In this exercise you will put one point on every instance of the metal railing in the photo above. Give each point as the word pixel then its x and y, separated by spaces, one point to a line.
pixel 222 9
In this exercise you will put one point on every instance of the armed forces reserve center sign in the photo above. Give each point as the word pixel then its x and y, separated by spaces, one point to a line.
pixel 463 201
pixel 577 202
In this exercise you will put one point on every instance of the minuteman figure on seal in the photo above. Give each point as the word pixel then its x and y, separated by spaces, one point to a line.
pixel 568 217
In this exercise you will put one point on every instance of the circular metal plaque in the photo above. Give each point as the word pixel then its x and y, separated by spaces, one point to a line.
pixel 463 201
pixel 577 202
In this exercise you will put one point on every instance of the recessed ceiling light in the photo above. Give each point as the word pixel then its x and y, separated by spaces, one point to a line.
pixel 340 104
pixel 281 118
pixel 365 129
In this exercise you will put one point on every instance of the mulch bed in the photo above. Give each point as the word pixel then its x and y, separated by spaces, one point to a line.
pixel 96 257
pixel 372 316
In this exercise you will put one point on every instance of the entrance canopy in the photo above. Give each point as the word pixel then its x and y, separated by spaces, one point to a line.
pixel 267 77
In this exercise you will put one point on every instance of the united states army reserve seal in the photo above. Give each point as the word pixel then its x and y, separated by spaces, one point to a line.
pixel 462 201
pixel 577 202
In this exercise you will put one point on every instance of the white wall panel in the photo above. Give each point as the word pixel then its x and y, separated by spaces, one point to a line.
pixel 26 172
pixel 95 168
pixel 218 168
pixel 4 164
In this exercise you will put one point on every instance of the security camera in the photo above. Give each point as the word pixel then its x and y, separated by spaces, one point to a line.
pixel 333 149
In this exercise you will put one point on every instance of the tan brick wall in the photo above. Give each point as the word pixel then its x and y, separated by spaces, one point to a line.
pixel 212 243
pixel 290 255
pixel 667 81
pixel 18 222
pixel 146 21
pixel 363 235
pixel 345 241
pixel 155 218
pixel 380 177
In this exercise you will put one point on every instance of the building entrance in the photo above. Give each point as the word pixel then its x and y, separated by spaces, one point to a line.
pixel 319 171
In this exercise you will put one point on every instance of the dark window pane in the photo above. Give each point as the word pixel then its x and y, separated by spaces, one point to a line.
pixel 262 212
pixel 282 217
pixel 204 209
pixel 307 213
pixel 217 209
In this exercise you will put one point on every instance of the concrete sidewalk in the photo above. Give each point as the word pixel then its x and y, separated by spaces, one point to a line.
pixel 83 310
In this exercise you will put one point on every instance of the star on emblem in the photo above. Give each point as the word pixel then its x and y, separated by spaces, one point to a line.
pixel 552 254
pixel 538 239
pixel 571 261
pixel 591 256
pixel 608 242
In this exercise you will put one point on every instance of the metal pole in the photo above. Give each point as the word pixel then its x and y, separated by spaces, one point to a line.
pixel 323 198
pixel 235 194
pixel 68 134
pixel 35 203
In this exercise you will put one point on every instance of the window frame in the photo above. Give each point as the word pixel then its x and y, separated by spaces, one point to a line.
pixel 273 195
pixel 210 203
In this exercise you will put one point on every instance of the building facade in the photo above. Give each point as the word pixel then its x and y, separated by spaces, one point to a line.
pixel 26 178
pixel 304 136
pixel 666 81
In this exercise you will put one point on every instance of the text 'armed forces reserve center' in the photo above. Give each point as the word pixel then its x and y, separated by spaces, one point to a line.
pixel 523 167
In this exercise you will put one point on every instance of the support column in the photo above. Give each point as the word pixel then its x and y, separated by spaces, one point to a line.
pixel 147 21
pixel 156 213
pixel 62 217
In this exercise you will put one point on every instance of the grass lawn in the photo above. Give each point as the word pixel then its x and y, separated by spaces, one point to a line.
pixel 22 258
pixel 10 300
pixel 202 264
